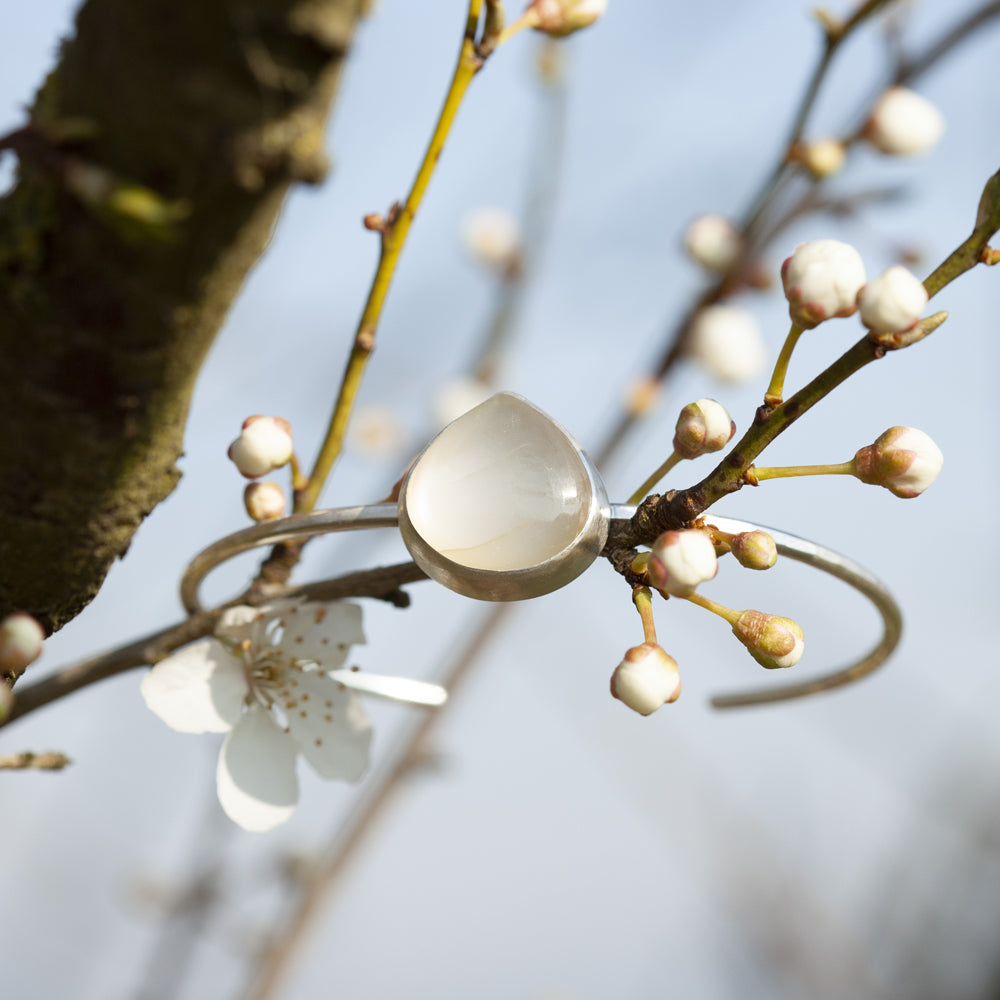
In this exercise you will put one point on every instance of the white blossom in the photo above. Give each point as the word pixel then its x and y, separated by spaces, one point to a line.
pixel 702 427
pixel 824 157
pixel 713 241
pixel 264 444
pixel 727 341
pixel 893 301
pixel 903 460
pixel 646 679
pixel 903 123
pixel 680 560
pixel 269 678
pixel 822 280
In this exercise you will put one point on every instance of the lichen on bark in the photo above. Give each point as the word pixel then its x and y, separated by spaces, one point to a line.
pixel 212 107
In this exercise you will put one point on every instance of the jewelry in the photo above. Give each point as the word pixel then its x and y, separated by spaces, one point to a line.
pixel 504 505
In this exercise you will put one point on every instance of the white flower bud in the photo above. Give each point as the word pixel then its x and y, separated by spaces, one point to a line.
pixel 903 460
pixel 20 642
pixel 754 549
pixel 702 427
pixel 822 280
pixel 457 397
pixel 646 679
pixel 893 301
pixel 680 560
pixel 727 342
pixel 493 237
pixel 713 241
pixel 265 444
pixel 771 640
pixel 824 157
pixel 264 501
pixel 903 123
pixel 563 17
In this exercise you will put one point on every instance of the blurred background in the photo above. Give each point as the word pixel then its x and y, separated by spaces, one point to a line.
pixel 546 843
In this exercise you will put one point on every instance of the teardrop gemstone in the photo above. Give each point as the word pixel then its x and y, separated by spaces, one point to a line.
pixel 503 487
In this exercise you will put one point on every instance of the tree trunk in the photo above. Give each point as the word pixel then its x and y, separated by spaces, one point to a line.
pixel 151 175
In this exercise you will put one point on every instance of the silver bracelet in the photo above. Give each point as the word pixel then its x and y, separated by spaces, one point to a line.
pixel 504 505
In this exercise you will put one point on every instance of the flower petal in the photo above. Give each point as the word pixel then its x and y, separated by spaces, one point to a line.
pixel 328 723
pixel 393 688
pixel 241 623
pixel 319 632
pixel 197 690
pixel 256 779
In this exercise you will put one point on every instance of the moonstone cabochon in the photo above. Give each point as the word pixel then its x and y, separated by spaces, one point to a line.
pixel 503 504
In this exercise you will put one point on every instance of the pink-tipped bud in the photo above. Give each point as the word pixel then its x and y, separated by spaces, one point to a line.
pixel 728 343
pixel 714 242
pixel 21 640
pixel 903 460
pixel 265 444
pixel 646 679
pixel 903 123
pixel 754 549
pixel 703 426
pixel 680 560
pixel 822 280
pixel 563 17
pixel 893 301
pixel 264 501
pixel 771 640
pixel 824 157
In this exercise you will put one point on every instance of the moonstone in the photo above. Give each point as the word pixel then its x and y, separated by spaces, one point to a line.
pixel 501 488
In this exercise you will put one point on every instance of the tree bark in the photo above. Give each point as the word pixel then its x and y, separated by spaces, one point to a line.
pixel 150 177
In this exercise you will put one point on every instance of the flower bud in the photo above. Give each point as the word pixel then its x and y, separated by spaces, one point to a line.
pixel 727 341
pixel 563 17
pixel 714 242
pixel 20 642
pixel 892 302
pixel 265 444
pixel 903 123
pixel 824 157
pixel 493 237
pixel 646 679
pixel 903 460
pixel 680 560
pixel 822 280
pixel 771 640
pixel 754 549
pixel 702 427
pixel 264 501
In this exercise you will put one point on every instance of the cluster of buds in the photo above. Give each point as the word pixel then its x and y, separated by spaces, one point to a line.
pixel 702 427
pixel 903 460
pixel 21 640
pixel 727 341
pixel 680 561
pixel 563 17
pixel 646 679
pixel 826 278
